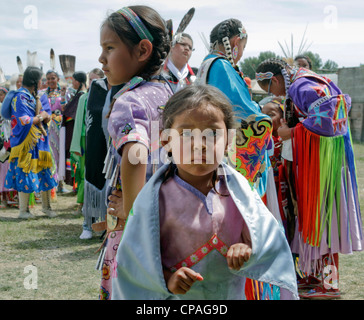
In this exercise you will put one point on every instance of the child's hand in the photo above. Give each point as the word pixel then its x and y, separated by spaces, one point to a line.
pixel 115 207
pixel 46 117
pixel 182 280
pixel 237 254
pixel 284 131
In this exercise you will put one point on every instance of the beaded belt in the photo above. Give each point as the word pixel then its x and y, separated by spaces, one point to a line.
pixel 199 254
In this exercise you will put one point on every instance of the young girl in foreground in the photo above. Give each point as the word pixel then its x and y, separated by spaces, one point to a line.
pixel 134 43
pixel 197 229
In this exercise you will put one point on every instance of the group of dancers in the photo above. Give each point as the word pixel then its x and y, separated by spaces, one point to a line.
pixel 233 200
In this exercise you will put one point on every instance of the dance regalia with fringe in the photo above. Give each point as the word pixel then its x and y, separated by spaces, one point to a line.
pixel 8 197
pixel 94 205
pixel 135 113
pixel 68 121
pixel 329 217
pixel 159 233
pixel 78 145
pixel 30 158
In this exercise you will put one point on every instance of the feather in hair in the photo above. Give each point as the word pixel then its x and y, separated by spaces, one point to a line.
pixel 2 76
pixel 20 65
pixel 68 63
pixel 185 20
pixel 32 59
pixel 52 60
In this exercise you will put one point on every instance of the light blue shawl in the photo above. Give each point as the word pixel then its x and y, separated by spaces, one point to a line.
pixel 139 264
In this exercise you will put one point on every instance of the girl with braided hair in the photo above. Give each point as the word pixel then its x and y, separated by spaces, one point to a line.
pixel 30 158
pixel 219 69
pixel 135 42
pixel 328 211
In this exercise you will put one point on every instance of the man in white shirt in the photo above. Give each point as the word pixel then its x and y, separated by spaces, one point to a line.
pixel 176 68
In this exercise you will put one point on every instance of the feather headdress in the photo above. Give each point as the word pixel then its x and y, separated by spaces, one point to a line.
pixel 52 60
pixel 68 63
pixel 182 26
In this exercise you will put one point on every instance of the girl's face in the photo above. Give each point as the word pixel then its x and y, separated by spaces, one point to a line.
pixel 2 96
pixel 302 63
pixel 52 80
pixel 75 83
pixel 118 63
pixel 275 113
pixel 198 142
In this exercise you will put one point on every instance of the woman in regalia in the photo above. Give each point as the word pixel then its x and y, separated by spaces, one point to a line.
pixel 30 159
pixel 328 219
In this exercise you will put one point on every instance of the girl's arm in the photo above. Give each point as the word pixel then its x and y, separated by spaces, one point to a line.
pixel 239 253
pixel 133 172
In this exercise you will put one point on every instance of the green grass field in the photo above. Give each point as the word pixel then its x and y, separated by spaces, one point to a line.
pixel 65 265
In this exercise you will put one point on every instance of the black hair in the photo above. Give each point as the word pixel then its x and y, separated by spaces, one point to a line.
pixel 193 97
pixel 155 24
pixel 223 32
pixel 52 71
pixel 309 61
pixel 227 28
pixel 31 77
pixel 273 65
pixel 81 77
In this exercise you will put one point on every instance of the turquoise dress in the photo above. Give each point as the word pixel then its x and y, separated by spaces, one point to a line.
pixel 30 159
pixel 255 128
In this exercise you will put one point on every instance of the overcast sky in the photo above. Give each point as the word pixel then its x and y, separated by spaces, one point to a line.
pixel 334 28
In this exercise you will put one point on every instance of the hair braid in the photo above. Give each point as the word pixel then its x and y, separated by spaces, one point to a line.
pixel 272 65
pixel 155 24
pixel 222 34
pixel 161 48
pixel 35 93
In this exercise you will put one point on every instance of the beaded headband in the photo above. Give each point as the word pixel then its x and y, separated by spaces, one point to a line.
pixel 263 76
pixel 136 23
pixel 279 102
pixel 4 89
